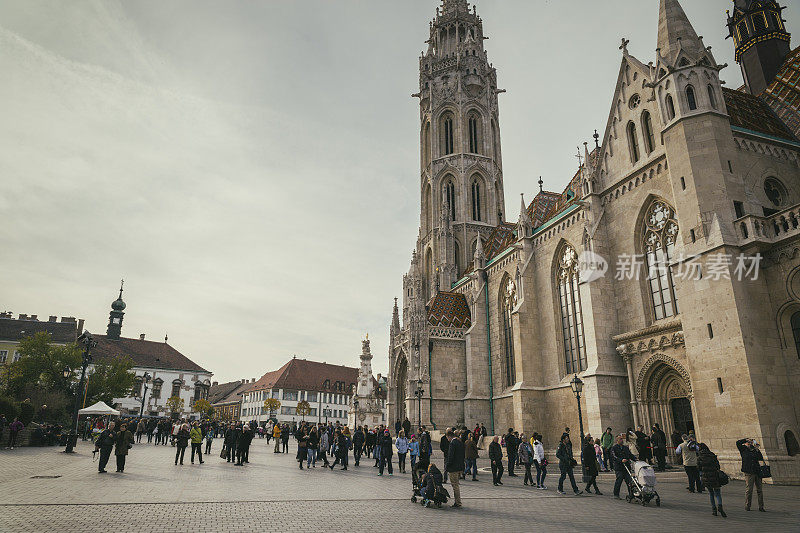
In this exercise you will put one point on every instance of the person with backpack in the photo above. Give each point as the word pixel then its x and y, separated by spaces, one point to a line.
pixel 688 451
pixel 712 477
pixel 751 467
pixel 566 463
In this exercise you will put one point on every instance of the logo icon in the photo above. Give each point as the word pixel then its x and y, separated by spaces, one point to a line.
pixel 591 266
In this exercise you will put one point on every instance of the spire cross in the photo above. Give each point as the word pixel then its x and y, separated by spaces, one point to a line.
pixel 596 139
pixel 579 155
pixel 624 45
pixel 541 184
pixel 121 283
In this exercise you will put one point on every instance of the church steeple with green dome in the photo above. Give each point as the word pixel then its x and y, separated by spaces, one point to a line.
pixel 116 315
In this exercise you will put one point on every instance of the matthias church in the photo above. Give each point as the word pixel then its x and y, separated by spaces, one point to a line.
pixel 497 316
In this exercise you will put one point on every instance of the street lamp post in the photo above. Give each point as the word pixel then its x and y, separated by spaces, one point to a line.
pixel 88 343
pixel 577 387
pixel 145 381
pixel 418 393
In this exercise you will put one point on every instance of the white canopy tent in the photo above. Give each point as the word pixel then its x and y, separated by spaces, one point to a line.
pixel 99 409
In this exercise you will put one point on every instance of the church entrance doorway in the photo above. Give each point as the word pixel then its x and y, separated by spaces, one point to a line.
pixel 682 415
pixel 401 384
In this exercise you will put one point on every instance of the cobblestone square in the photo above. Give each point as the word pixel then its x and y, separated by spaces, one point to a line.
pixel 272 494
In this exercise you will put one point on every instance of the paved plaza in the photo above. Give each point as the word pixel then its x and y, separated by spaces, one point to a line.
pixel 272 494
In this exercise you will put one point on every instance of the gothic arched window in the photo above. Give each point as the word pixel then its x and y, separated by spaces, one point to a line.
pixel 571 313
pixel 744 34
pixel 670 105
pixel 712 99
pixel 649 135
pixel 660 232
pixel 795 321
pixel 633 142
pixel 459 263
pixel 450 192
pixel 474 126
pixel 477 200
pixel 690 98
pixel 428 209
pixel 508 300
pixel 447 134
pixel 426 144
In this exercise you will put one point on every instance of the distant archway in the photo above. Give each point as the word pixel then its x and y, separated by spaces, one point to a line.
pixel 401 382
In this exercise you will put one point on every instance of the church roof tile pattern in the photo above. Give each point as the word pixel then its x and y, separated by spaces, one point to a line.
pixel 449 310
pixel 302 374
pixel 144 354
pixel 783 94
pixel 751 113
pixel 501 237
pixel 541 205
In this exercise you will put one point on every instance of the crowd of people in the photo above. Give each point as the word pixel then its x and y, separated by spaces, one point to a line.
pixel 333 443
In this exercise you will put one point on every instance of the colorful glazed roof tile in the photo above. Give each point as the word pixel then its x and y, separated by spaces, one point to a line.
pixel 541 205
pixel 501 237
pixel 449 310
pixel 752 113
pixel 783 94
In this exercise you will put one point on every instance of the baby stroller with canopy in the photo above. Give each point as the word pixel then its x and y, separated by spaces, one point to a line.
pixel 429 487
pixel 642 488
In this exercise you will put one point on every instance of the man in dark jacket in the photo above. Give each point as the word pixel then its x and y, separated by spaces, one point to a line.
pixel 358 444
pixel 643 445
pixel 622 457
pixel 496 458
pixel 407 427
pixel 231 438
pixel 105 443
pixel 454 465
pixel 443 447
pixel 385 443
pixel 512 445
pixel 751 467
pixel 424 444
pixel 243 446
pixel 658 440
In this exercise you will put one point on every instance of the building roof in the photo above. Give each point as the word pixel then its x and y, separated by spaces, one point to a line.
pixel 63 332
pixel 144 353
pixel 227 392
pixel 302 374
pixel 751 113
pixel 783 94
pixel 501 237
pixel 542 204
pixel 449 310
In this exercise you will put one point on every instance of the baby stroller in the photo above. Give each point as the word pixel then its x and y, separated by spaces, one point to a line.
pixel 440 494
pixel 643 483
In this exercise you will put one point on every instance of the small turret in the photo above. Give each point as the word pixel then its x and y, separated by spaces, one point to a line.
pixel 114 329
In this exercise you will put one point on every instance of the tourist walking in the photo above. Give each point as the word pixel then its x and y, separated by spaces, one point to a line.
pixel 181 442
pixel 13 430
pixel 341 450
pixel 105 444
pixel 512 445
pixel 209 439
pixel 401 443
pixel 124 442
pixel 621 456
pixel 710 473
pixel 590 466
pixel 243 446
pixel 324 446
pixel 606 442
pixel 229 444
pixel 471 458
pixel 285 438
pixel 539 461
pixel 443 443
pixel 407 426
pixel 311 448
pixel 276 434
pixel 358 445
pixel 302 446
pixel 566 463
pixel 140 429
pixel 688 451
pixel 455 464
pixel 525 454
pixel 751 467
pixel 496 459
pixel 196 436
pixel 658 440
pixel 385 445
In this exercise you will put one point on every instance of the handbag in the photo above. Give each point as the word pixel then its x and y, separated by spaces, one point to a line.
pixel 222 453
pixel 723 478
pixel 766 471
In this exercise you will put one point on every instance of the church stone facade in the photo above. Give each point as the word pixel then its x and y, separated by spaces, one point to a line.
pixel 690 198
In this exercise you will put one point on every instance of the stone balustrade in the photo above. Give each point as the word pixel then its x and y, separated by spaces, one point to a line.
pixel 770 229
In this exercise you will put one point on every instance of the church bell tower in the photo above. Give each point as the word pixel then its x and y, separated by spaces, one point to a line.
pixel 461 178
pixel 114 329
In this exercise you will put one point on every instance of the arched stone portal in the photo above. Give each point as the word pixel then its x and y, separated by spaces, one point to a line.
pixel 401 383
pixel 664 396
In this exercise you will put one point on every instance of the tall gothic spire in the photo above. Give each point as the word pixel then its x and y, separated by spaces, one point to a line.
pixel 675 33
pixel 450 6
pixel 479 260
pixel 395 329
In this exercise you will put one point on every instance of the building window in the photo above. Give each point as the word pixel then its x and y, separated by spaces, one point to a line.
pixel 287 410
pixel 649 135
pixel 690 98
pixel 775 191
pixel 156 391
pixel 426 144
pixel 3 356
pixel 571 311
pixel 16 357
pixel 712 99
pixel 744 34
pixel 198 391
pixel 474 124
pixel 792 447
pixel 290 395
pixel 176 388
pixel 633 142
pixel 759 22
pixel 670 107
pixel 796 332
pixel 776 23
pixel 447 134
pixel 450 192
pixel 477 207
pixel 137 387
pixel 508 300
pixel 311 397
pixel 660 233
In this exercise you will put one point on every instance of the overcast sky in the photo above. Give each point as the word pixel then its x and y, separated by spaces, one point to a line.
pixel 250 167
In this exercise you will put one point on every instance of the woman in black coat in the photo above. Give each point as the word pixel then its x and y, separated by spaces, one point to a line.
pixel 709 472
pixel 182 441
pixel 590 466
pixel 566 463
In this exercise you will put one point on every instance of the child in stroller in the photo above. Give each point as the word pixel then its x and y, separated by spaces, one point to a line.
pixel 430 487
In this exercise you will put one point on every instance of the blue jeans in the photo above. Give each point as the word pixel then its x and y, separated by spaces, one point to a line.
pixel 413 461
pixel 471 465
pixel 312 457
pixel 718 494
pixel 541 473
